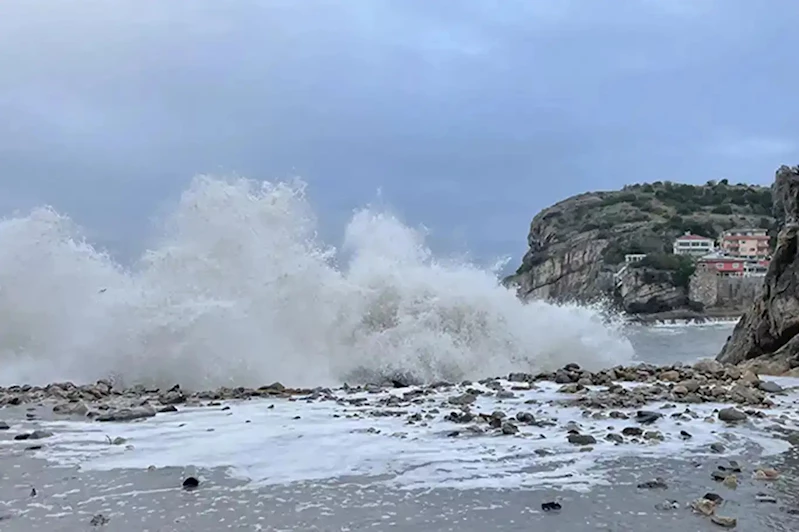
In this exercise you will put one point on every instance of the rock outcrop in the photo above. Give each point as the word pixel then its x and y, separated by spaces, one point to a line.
pixel 767 336
pixel 577 247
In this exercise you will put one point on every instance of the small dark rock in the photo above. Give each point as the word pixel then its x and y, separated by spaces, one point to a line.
pixel 617 438
pixel 645 417
pixel 718 476
pixel 581 439
pixel 713 497
pixel 168 408
pixel 127 414
pixel 99 520
pixel 731 415
pixel 658 483
pixel 770 387
pixel 525 417
pixel 732 466
pixel 717 447
pixel 550 506
pixel 22 436
pixel 632 431
pixel 4 425
pixel 190 483
pixel 40 434
pixel 33 492
pixel 509 428
pixel 685 435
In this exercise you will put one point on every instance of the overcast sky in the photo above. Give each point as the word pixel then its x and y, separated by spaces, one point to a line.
pixel 469 116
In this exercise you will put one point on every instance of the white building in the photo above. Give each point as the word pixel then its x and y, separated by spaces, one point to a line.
pixel 695 245
pixel 634 257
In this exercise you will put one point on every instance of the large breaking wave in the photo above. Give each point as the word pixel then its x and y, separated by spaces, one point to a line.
pixel 239 291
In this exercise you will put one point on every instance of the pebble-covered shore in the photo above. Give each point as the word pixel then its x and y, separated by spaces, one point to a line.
pixel 642 405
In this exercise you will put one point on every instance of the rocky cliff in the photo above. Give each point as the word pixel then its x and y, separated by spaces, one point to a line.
pixel 767 336
pixel 576 247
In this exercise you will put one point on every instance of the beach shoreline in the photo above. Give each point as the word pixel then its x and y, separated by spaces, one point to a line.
pixel 558 435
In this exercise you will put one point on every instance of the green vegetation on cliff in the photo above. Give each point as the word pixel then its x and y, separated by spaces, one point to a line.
pixel 577 245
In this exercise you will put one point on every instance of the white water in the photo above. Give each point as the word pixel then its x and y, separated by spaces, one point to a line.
pixel 239 291
pixel 299 441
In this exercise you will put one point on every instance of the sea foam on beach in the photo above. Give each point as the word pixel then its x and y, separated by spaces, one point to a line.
pixel 278 442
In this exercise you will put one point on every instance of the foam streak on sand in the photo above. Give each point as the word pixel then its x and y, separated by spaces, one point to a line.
pixel 240 292
pixel 279 442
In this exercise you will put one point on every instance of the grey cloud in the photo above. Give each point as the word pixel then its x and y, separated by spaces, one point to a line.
pixel 470 116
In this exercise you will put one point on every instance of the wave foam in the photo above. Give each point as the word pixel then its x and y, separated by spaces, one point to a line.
pixel 240 291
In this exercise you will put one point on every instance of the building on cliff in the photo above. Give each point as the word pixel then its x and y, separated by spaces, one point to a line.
pixel 747 243
pixel 693 245
pixel 726 266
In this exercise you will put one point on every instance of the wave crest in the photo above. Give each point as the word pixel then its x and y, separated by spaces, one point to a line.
pixel 240 291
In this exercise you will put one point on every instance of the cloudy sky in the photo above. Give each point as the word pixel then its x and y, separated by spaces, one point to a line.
pixel 468 116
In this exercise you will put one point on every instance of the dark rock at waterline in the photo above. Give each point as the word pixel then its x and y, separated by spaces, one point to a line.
pixel 632 431
pixel 767 335
pixel 770 387
pixel 127 414
pixel 551 506
pixel 191 483
pixel 172 397
pixel 22 436
pixel 167 409
pixel 713 497
pixel 4 425
pixel 685 435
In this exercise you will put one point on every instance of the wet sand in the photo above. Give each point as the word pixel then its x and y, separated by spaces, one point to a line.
pixel 136 501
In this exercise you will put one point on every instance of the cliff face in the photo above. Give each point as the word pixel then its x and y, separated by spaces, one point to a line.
pixel 767 336
pixel 576 247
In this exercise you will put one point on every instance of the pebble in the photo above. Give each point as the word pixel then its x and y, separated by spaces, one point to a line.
pixel 731 415
pixel 4 425
pixel 731 482
pixel 766 474
pixel 99 520
pixel 704 506
pixel 190 483
pixel 658 483
pixel 581 439
pixel 726 522
pixel 717 448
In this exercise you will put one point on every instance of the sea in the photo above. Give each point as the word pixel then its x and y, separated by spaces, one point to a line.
pixel 238 289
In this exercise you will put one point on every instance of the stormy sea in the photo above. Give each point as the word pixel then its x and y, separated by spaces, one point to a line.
pixel 242 374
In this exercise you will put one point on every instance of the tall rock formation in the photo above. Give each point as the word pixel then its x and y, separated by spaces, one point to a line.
pixel 767 336
pixel 577 247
